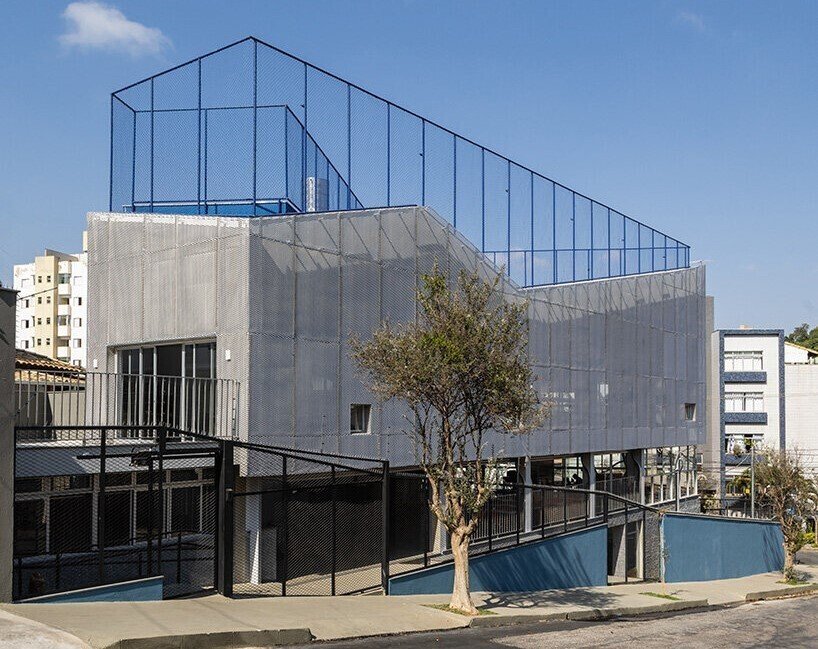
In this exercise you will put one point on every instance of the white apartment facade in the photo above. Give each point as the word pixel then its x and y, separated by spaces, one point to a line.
pixel 750 411
pixel 767 398
pixel 52 305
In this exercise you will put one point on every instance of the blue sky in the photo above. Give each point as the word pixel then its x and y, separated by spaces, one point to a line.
pixel 698 118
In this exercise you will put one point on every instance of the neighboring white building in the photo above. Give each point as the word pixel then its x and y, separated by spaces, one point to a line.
pixel 52 305
pixel 768 398
pixel 750 382
pixel 801 380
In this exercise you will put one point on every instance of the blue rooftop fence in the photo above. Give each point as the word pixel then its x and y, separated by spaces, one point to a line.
pixel 250 130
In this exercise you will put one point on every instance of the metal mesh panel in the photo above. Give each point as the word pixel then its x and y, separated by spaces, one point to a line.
pixel 96 506
pixel 251 130
pixel 310 524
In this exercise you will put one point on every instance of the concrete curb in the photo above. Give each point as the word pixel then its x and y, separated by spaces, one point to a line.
pixel 592 614
pixel 778 593
pixel 220 640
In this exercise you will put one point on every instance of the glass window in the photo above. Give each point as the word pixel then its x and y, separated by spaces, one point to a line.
pixel 67 482
pixel 744 402
pixel 743 361
pixel 690 411
pixel 64 278
pixel 28 485
pixel 117 517
pixel 29 527
pixel 185 509
pixel 147 508
pixel 118 479
pixel 183 475
pixel 359 418
pixel 70 523
pixel 169 390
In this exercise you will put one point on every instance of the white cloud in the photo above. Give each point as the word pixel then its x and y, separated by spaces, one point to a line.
pixel 93 25
pixel 694 20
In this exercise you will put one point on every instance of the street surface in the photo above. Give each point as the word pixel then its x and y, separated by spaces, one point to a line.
pixel 787 623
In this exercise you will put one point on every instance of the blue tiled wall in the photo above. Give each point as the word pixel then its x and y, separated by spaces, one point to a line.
pixel 700 548
pixel 139 590
pixel 569 561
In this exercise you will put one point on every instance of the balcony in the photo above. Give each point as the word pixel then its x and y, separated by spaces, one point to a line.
pixel 64 309
pixel 63 352
pixel 745 377
pixel 63 289
pixel 63 331
pixel 745 417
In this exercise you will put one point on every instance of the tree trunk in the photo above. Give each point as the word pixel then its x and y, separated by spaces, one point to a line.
pixel 461 595
pixel 789 562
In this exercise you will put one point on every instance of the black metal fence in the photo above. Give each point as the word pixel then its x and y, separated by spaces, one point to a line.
pixel 97 505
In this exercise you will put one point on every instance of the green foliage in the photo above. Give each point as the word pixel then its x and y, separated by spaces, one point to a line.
pixel 463 370
pixel 804 336
pixel 782 483
pixel 661 595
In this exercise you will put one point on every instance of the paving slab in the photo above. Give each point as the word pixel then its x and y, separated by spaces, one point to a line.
pixel 215 621
pixel 22 633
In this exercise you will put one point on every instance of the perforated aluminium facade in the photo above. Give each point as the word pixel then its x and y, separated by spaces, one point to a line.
pixel 618 358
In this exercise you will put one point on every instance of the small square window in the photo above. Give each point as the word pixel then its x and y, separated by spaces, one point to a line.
pixel 690 412
pixel 359 418
pixel 78 301
pixel 39 300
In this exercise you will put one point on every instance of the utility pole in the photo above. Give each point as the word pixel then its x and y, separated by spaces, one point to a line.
pixel 752 479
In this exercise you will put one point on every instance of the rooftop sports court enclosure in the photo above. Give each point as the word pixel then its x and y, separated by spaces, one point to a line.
pixel 249 130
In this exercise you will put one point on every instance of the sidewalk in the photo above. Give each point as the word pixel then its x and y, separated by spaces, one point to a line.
pixel 214 621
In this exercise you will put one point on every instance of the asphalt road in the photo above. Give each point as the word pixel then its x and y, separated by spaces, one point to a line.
pixel 791 623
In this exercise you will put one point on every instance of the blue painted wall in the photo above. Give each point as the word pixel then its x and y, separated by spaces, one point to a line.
pixel 699 548
pixel 569 561
pixel 139 590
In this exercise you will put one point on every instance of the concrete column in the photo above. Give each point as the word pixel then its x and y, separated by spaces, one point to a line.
pixel 528 498
pixel 252 526
pixel 589 480
pixel 8 303
pixel 635 467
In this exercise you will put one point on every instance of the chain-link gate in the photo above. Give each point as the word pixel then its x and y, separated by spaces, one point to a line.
pixel 307 523
pixel 97 505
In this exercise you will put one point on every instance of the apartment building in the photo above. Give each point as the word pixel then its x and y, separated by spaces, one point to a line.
pixel 52 305
pixel 766 392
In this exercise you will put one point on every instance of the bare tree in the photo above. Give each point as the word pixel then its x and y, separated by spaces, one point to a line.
pixel 462 369
pixel 782 483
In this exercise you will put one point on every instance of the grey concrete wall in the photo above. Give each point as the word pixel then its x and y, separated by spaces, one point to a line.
pixel 8 302
pixel 619 358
